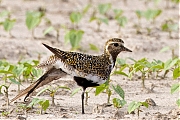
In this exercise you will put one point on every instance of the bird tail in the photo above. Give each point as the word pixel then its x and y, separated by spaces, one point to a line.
pixel 50 75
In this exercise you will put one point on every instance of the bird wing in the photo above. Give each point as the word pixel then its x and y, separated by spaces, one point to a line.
pixel 78 63
pixel 50 75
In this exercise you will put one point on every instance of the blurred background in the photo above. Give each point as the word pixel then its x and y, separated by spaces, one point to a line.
pixel 148 27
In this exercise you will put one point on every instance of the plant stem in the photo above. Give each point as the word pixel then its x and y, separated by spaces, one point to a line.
pixel 52 96
pixel 143 80
pixel 57 35
pixel 6 95
pixel 86 100
pixel 32 33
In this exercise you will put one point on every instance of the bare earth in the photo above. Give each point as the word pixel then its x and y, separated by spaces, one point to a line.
pixel 142 45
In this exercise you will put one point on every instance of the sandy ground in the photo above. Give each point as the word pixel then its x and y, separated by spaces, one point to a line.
pixel 143 45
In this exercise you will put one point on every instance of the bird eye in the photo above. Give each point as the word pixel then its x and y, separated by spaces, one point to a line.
pixel 116 44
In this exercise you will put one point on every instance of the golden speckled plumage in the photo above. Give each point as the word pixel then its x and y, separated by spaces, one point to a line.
pixel 87 70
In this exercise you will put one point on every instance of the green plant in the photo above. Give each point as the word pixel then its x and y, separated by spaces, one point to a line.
pixel 149 14
pixel 139 14
pixel 8 23
pixel 102 18
pixel 176 1
pixel 118 13
pixel 152 14
pixel 99 21
pixel 5 114
pixel 16 74
pixel 44 104
pixel 102 87
pixel 104 8
pixel 52 91
pixel 136 106
pixel 117 102
pixel 33 19
pixel 175 88
pixel 75 18
pixel 169 26
pixel 122 21
pixel 74 37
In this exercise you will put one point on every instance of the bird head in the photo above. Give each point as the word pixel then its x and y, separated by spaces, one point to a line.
pixel 114 46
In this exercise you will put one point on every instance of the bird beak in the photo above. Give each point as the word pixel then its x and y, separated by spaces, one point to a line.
pixel 126 49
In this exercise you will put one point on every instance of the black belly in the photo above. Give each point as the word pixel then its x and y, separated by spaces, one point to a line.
pixel 84 82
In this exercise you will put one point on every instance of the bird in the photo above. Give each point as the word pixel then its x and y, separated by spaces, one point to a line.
pixel 87 70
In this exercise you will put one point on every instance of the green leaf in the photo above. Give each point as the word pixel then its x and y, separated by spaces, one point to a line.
pixel 170 63
pixel 104 20
pixel 122 21
pixel 33 19
pixel 118 103
pixel 74 37
pixel 165 49
pixel 34 100
pixel 103 8
pixel 4 13
pixel 43 90
pixel 49 29
pixel 175 88
pixel 100 89
pixel 121 73
pixel 118 13
pixel 94 47
pixel 75 91
pixel 5 72
pixel 139 14
pixel 176 73
pixel 45 105
pixel 145 104
pixel 119 91
pixel 63 87
pixel 151 14
pixel 75 17
pixel 121 61
pixel 85 10
pixel 8 24
pixel 178 102
pixel 14 81
pixel 133 106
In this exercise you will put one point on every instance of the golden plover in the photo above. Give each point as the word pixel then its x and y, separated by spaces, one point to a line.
pixel 86 70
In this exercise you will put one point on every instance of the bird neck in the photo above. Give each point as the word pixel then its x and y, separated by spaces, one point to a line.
pixel 111 57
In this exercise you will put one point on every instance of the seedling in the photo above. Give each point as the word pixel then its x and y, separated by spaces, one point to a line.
pixel 5 92
pixel 139 14
pixel 118 102
pixel 75 18
pixel 136 106
pixel 149 14
pixel 169 26
pixel 99 21
pixel 8 23
pixel 33 19
pixel 102 87
pixel 152 14
pixel 175 88
pixel 74 37
pixel 52 91
pixel 44 104
pixel 117 13
pixel 121 21
pixel 102 9
pixel 172 49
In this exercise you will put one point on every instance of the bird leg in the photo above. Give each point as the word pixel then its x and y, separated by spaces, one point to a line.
pixel 82 97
